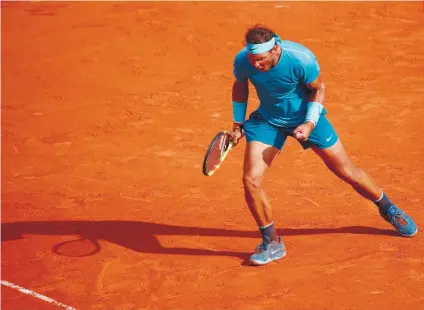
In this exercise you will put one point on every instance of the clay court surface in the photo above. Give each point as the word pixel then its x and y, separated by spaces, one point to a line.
pixel 107 110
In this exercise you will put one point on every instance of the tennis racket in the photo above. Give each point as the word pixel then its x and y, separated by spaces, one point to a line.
pixel 218 149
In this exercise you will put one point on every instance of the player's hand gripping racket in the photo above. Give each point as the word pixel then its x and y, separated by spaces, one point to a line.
pixel 218 149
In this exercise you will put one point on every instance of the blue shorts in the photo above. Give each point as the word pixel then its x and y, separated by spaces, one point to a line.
pixel 257 128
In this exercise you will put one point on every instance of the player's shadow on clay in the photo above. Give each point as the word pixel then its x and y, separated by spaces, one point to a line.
pixel 142 236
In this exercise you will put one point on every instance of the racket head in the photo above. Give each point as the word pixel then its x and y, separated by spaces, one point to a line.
pixel 218 149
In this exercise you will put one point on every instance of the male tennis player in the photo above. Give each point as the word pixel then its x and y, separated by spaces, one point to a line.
pixel 286 76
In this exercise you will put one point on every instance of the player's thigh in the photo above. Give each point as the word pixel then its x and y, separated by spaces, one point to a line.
pixel 257 159
pixel 336 159
pixel 264 142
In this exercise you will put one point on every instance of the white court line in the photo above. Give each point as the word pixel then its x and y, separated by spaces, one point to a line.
pixel 36 295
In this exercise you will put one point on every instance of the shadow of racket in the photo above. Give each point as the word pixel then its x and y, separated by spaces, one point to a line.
pixel 80 247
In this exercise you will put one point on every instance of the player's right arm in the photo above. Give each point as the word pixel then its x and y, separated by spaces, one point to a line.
pixel 240 95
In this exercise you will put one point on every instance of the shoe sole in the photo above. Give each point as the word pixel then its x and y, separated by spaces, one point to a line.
pixel 260 263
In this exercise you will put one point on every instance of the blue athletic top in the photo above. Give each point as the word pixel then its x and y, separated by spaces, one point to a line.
pixel 281 90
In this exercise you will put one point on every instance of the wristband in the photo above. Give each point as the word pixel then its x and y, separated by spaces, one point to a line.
pixel 313 112
pixel 239 111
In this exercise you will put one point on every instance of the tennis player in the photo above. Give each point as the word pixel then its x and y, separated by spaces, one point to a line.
pixel 286 76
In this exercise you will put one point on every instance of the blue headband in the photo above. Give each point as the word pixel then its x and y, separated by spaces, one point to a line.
pixel 260 48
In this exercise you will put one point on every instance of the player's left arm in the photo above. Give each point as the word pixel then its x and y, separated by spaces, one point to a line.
pixel 311 78
pixel 317 88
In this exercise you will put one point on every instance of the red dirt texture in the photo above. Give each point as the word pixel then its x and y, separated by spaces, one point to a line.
pixel 107 111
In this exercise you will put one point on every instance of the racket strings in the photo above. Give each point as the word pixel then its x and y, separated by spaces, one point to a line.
pixel 217 152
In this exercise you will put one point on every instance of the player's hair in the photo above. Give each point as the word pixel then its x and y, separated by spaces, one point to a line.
pixel 258 34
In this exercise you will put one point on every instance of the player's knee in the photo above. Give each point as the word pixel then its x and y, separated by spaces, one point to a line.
pixel 252 181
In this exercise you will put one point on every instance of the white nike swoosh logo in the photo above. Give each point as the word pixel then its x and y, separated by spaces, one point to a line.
pixel 329 138
pixel 273 252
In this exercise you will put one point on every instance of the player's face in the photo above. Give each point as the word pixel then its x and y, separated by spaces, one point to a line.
pixel 262 62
